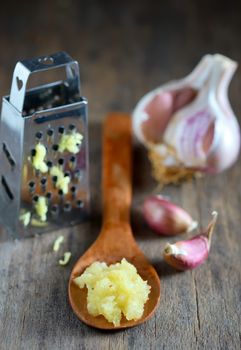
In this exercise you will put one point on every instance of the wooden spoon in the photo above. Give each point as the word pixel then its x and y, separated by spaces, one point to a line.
pixel 115 240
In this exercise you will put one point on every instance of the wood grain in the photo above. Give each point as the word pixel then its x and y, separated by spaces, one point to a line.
pixel 124 51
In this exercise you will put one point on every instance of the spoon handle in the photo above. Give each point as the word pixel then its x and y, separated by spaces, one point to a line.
pixel 117 164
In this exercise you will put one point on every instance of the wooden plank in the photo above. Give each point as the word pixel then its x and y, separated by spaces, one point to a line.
pixel 123 52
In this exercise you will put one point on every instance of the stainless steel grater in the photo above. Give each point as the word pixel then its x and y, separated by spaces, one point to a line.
pixel 44 162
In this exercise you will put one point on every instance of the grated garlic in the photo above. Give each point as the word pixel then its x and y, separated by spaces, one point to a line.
pixel 41 208
pixel 25 218
pixel 57 243
pixel 70 142
pixel 113 290
pixel 62 181
pixel 38 159
pixel 37 223
pixel 66 259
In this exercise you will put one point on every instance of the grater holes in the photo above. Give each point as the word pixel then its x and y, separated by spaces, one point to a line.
pixel 73 189
pixel 31 186
pixel 35 198
pixel 54 179
pixel 47 61
pixel 43 181
pixel 79 204
pixel 61 193
pixel 54 209
pixel 7 188
pixel 50 132
pixel 33 152
pixel 72 127
pixel 55 147
pixel 72 162
pixel 49 195
pixel 49 164
pixel 61 130
pixel 39 135
pixel 67 207
pixel 61 161
pixel 8 155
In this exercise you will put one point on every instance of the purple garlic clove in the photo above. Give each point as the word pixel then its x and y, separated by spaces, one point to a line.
pixel 188 254
pixel 166 218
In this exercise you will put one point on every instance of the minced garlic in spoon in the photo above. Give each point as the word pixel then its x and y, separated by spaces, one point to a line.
pixel 113 290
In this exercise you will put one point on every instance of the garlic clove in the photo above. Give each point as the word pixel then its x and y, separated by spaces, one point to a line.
pixel 166 218
pixel 205 134
pixel 188 254
pixel 158 113
pixel 183 97
pixel 192 117
pixel 160 109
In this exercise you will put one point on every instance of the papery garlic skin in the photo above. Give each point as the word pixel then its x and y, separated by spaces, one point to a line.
pixel 166 218
pixel 193 117
pixel 189 254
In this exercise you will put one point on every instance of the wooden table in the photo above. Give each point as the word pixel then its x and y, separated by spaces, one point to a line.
pixel 123 52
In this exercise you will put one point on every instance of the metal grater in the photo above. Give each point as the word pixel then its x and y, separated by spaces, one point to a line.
pixel 41 192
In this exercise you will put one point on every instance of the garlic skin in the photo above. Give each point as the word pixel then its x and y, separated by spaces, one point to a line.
pixel 189 254
pixel 166 218
pixel 193 117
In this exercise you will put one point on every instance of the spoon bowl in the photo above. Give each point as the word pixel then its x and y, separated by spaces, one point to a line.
pixel 116 240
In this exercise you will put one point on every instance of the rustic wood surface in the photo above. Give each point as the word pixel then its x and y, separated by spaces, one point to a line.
pixel 124 51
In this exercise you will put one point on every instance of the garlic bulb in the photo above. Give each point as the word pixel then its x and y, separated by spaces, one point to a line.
pixel 189 123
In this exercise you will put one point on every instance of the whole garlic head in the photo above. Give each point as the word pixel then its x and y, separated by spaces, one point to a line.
pixel 189 123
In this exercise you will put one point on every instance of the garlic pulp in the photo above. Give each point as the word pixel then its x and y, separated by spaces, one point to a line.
pixel 38 158
pixel 63 180
pixel 41 208
pixel 114 290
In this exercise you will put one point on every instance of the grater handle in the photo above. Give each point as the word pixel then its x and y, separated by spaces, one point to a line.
pixel 25 68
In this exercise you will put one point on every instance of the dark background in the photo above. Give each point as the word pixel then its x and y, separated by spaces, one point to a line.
pixel 126 49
